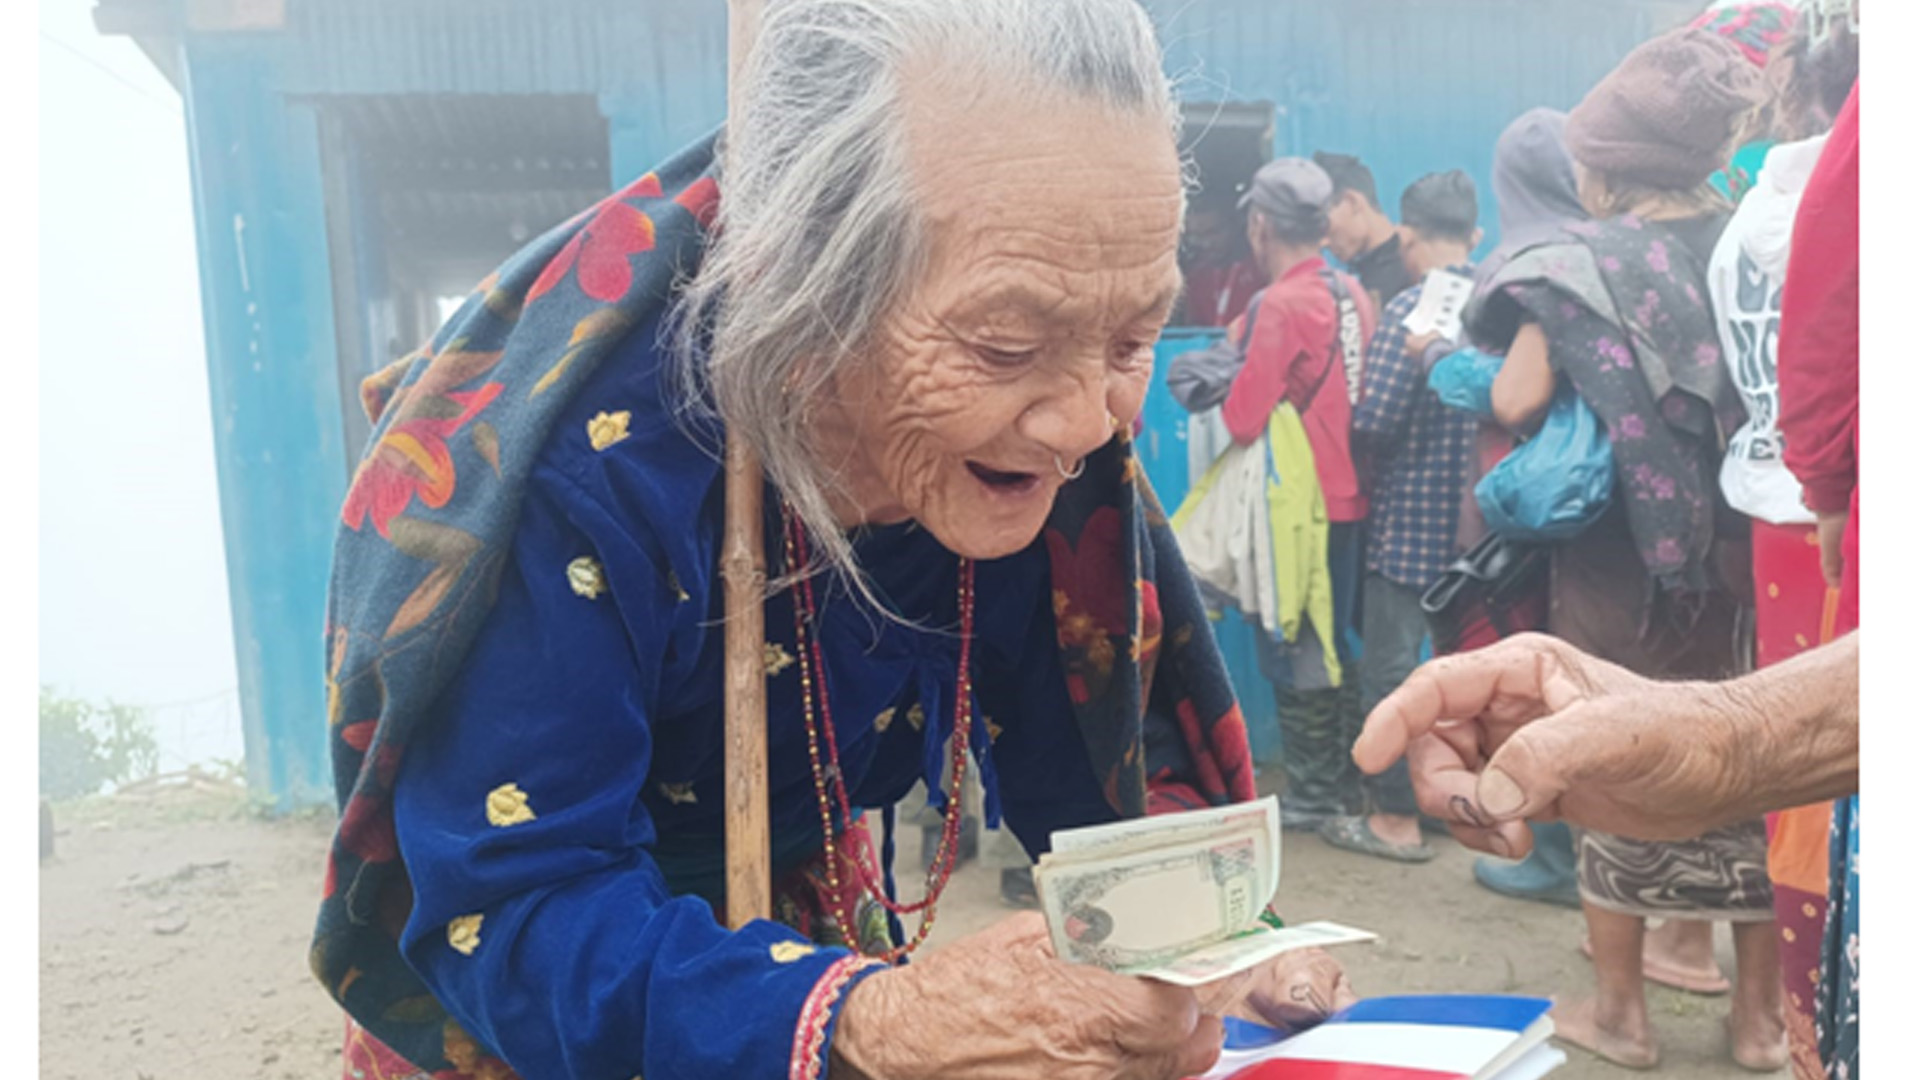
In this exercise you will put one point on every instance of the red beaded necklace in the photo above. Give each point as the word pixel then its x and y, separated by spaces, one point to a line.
pixel 816 705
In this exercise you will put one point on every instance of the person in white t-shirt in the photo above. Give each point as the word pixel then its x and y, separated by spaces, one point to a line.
pixel 1795 607
pixel 1745 280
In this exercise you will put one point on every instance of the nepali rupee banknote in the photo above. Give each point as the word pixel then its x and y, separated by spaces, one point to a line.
pixel 1176 897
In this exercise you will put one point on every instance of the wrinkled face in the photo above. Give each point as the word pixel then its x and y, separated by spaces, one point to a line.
pixel 1054 229
pixel 1347 226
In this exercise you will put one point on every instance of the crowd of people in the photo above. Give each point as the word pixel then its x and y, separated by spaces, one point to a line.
pixel 1673 303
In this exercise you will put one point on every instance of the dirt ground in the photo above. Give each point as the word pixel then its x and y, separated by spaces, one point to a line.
pixel 173 944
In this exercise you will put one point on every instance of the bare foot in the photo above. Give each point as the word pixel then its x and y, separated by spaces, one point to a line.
pixel 1579 1023
pixel 1759 1042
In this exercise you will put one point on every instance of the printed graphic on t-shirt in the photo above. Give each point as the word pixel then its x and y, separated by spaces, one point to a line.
pixel 1753 316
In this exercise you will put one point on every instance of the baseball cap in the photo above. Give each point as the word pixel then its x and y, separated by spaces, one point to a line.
pixel 1293 191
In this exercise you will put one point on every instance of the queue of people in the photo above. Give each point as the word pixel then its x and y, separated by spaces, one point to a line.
pixel 1672 308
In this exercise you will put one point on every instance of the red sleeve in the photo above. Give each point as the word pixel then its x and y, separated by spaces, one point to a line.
pixel 1819 349
pixel 1262 383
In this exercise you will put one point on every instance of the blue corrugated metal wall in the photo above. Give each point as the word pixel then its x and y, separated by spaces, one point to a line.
pixel 1410 85
pixel 268 305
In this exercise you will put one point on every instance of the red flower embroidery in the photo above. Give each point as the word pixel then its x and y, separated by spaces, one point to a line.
pixel 602 251
pixel 360 735
pixel 1230 746
pixel 1205 764
pixel 647 187
pixel 1089 599
pixel 702 200
pixel 366 830
pixel 412 459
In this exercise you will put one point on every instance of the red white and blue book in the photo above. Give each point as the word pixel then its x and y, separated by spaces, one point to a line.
pixel 1436 1037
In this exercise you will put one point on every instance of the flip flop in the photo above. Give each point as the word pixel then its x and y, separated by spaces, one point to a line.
pixel 1353 834
pixel 1295 819
pixel 1689 982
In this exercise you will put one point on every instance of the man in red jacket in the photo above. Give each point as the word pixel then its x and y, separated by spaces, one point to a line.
pixel 1310 329
pixel 1819 357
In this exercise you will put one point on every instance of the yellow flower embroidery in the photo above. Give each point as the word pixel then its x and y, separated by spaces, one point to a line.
pixel 608 428
pixel 679 794
pixel 777 658
pixel 884 721
pixel 507 805
pixel 993 730
pixel 463 934
pixel 586 577
pixel 917 716
pixel 786 952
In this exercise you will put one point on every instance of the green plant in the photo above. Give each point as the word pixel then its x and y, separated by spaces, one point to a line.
pixel 84 746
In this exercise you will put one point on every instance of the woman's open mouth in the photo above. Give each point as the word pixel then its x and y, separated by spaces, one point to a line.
pixel 1008 483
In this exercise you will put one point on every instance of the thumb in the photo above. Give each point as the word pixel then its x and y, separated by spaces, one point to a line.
pixel 1526 777
pixel 1195 1055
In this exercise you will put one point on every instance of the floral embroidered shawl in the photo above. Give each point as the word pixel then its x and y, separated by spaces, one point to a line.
pixel 432 510
pixel 1624 305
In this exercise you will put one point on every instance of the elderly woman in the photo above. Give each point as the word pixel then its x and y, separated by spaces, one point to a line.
pixel 1616 312
pixel 926 290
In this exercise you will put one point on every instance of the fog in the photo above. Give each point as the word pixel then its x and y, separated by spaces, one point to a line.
pixel 133 592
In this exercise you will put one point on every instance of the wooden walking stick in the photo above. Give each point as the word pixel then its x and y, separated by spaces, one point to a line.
pixel 743 566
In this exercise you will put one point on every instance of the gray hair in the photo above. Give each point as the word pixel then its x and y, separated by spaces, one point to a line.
pixel 818 235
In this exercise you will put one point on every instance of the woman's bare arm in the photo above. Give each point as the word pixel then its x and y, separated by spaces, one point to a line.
pixel 1524 388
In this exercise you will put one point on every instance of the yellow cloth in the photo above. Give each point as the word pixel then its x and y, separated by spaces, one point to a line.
pixel 1254 531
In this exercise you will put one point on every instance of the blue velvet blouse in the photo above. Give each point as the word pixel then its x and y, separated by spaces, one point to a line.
pixel 561 821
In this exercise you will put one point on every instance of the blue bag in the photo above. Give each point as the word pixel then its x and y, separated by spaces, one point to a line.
pixel 1557 483
pixel 1463 379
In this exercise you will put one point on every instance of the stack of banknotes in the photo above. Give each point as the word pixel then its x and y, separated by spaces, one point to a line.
pixel 1176 897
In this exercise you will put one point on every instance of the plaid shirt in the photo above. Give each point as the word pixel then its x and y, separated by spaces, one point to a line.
pixel 1416 452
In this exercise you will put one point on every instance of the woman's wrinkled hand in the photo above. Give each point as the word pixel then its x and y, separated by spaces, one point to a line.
pixel 1294 991
pixel 1533 729
pixel 998 1004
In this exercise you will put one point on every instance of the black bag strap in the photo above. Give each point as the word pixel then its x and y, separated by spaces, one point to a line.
pixel 1246 327
pixel 1343 347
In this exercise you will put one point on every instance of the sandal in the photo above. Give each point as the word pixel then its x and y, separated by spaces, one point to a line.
pixel 1705 984
pixel 1354 834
